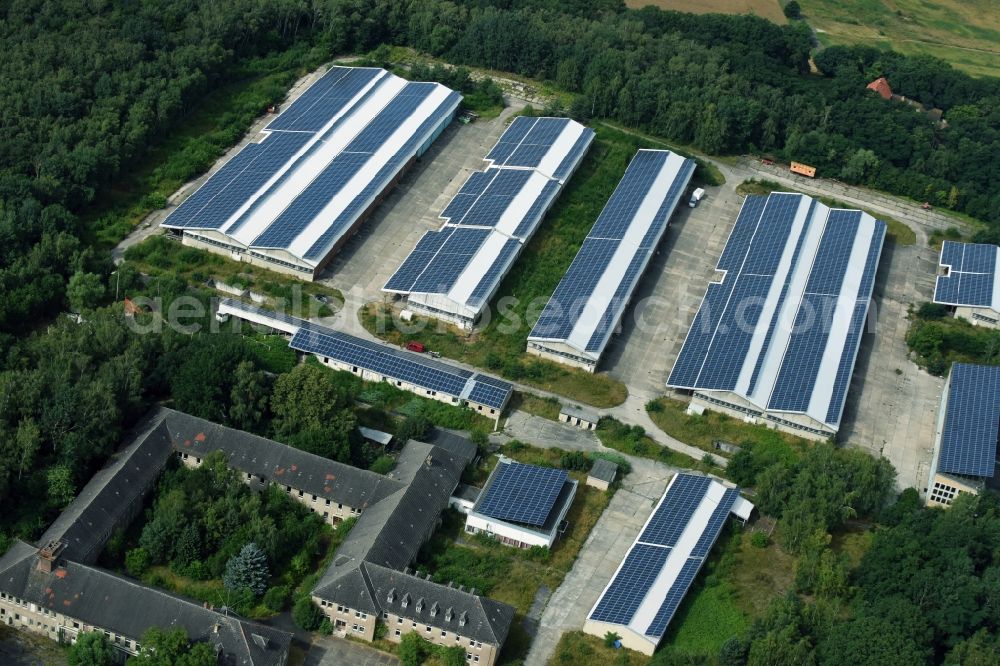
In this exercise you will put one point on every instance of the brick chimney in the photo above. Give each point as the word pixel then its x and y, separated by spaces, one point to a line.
pixel 49 554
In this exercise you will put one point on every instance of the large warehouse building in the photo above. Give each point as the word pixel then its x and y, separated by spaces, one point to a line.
pixel 663 561
pixel 965 447
pixel 587 306
pixel 776 339
pixel 970 282
pixel 290 200
pixel 379 362
pixel 453 272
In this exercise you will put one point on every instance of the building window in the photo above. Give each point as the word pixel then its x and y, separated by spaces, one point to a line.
pixel 428 630
pixel 397 632
pixel 328 502
pixel 385 615
pixel 399 620
pixel 444 633
pixel 301 493
pixel 249 476
pixel 340 609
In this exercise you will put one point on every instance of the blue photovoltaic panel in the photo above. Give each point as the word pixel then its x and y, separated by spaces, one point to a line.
pixel 292 221
pixel 230 187
pixel 728 350
pixel 418 259
pixel 741 235
pixel 490 391
pixel 857 326
pixel 675 510
pixel 628 589
pixel 449 262
pixel 324 99
pixel 347 217
pixel 691 359
pixel 972 418
pixel 511 138
pixel 971 276
pixel 715 523
pixel 768 244
pixel 380 359
pixel 503 261
pixel 577 287
pixel 522 493
pixel 570 296
pixel 574 155
pixel 527 226
pixel 674 597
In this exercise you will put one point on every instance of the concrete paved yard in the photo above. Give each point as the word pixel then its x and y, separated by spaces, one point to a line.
pixel 333 651
pixel 600 556
pixel 412 208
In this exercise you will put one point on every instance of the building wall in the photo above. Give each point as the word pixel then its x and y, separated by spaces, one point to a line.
pixel 630 639
pixel 329 510
pixel 577 421
pixel 465 323
pixel 597 483
pixel 561 354
pixel 736 406
pixel 476 652
pixel 979 316
pixel 18 614
pixel 286 268
pixel 945 488
pixel 348 621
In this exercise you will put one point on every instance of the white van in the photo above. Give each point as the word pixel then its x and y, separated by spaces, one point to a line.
pixel 696 196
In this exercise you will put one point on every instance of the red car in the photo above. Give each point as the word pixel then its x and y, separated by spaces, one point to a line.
pixel 415 346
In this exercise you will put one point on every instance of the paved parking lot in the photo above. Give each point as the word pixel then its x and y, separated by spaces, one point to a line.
pixel 656 322
pixel 600 556
pixel 333 651
pixel 892 404
pixel 412 207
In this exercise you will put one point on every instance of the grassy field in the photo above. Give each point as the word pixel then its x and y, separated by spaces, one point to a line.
pixel 576 648
pixel 702 431
pixel 966 33
pixel 159 256
pixel 769 9
pixel 901 233
pixel 547 408
pixel 634 441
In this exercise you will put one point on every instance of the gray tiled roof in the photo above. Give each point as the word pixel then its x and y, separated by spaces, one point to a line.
pixel 484 619
pixel 278 462
pixel 102 599
pixel 602 469
pixel 112 492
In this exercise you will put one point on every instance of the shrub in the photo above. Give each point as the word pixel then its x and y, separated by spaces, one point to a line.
pixel 383 464
pixel 248 569
pixel 610 638
pixel 759 540
pixel 306 615
pixel 276 598
pixel 137 561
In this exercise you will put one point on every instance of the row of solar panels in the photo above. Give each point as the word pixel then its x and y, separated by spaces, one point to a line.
pixel 520 493
pixel 589 300
pixel 326 158
pixel 972 421
pixel 493 214
pixel 395 364
pixel 802 275
pixel 972 277
pixel 686 524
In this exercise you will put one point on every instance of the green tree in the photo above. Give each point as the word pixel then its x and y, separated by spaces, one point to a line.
pixel 61 489
pixel 248 570
pixel 137 561
pixel 248 397
pixel 91 648
pixel 84 291
pixel 412 649
pixel 793 10
pixel 306 614
pixel 171 647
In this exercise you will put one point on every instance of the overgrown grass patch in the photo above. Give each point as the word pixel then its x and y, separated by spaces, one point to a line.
pixel 163 258
pixel 899 231
pixel 634 441
pixel 936 340
pixel 703 430
pixel 576 648
pixel 547 408
pixel 272 352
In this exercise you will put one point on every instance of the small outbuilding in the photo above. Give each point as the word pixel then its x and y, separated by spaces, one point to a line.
pixel 580 417
pixel 882 87
pixel 375 436
pixel 602 474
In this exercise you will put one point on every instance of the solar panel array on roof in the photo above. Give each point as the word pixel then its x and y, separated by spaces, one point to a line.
pixel 455 270
pixel 589 300
pixel 972 278
pixel 665 558
pixel 324 161
pixel 972 421
pixel 521 493
pixel 783 327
